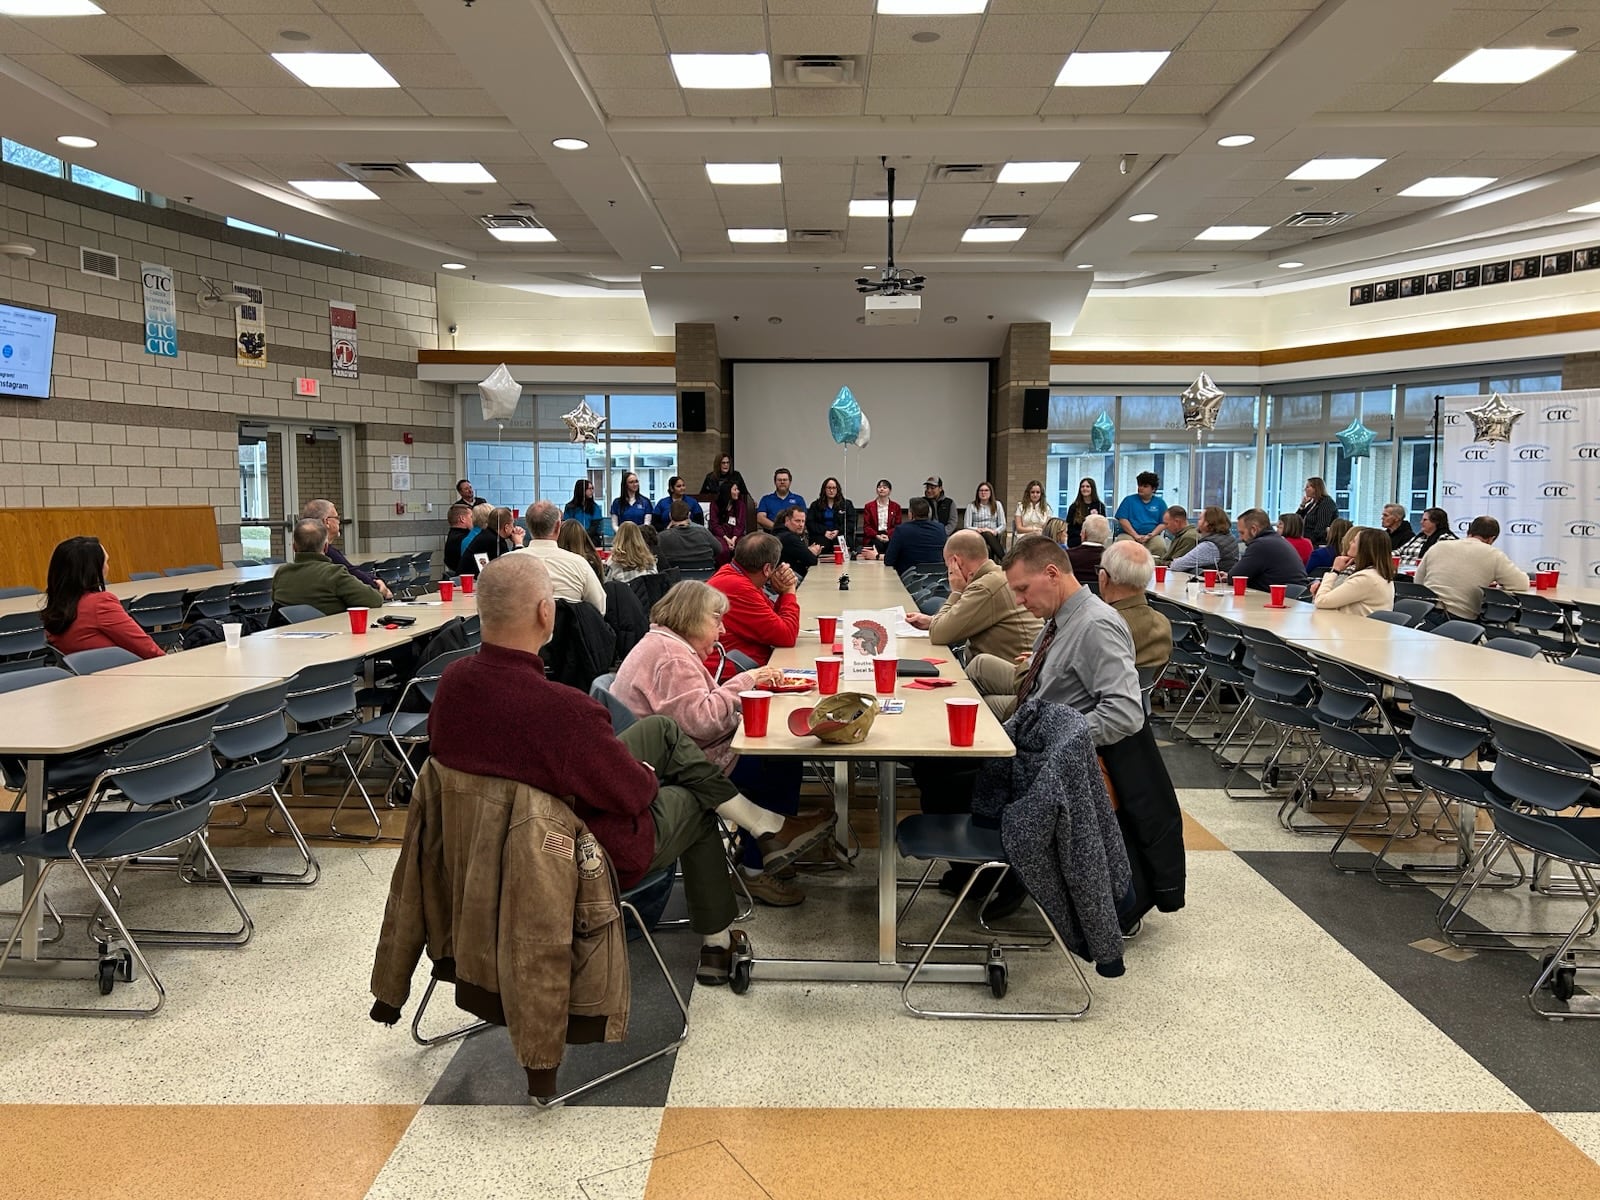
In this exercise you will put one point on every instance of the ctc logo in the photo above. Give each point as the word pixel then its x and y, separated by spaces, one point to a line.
pixel 1475 454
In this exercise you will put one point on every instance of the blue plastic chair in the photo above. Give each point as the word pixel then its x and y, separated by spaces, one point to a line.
pixel 1511 645
pixel 101 658
pixel 1469 632
pixel 1392 617
pixel 11 593
pixel 21 636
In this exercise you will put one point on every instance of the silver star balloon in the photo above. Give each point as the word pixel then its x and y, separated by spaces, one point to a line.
pixel 1492 422
pixel 1356 439
pixel 583 422
pixel 1202 401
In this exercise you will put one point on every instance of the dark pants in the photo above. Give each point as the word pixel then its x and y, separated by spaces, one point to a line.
pixel 687 828
pixel 774 784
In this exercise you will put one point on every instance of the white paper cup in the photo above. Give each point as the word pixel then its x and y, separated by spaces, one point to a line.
pixel 234 632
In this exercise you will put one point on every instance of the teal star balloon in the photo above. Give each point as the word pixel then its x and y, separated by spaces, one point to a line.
pixel 1356 439
pixel 1101 434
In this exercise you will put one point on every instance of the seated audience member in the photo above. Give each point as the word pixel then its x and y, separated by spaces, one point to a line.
pixel 919 540
pixel 582 509
pixel 1361 580
pixel 778 501
pixel 1217 549
pixel 831 519
pixel 980 610
pixel 665 674
pixel 987 516
pixel 504 535
pixel 328 514
pixel 465 494
pixel 1397 525
pixel 712 483
pixel 1126 570
pixel 685 544
pixel 944 507
pixel 460 518
pixel 730 514
pixel 649 795
pixel 473 544
pixel 571 538
pixel 1085 556
pixel 880 518
pixel 79 614
pixel 1181 538
pixel 1139 516
pixel 652 538
pixel 754 625
pixel 571 575
pixel 314 579
pixel 1268 558
pixel 1087 501
pixel 1321 560
pixel 1032 512
pixel 797 553
pixel 1435 528
pixel 1318 510
pixel 1293 530
pixel 630 557
pixel 662 515
pixel 1458 571
pixel 631 504
pixel 1056 530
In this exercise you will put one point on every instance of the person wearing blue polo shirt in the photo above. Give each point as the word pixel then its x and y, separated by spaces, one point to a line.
pixel 1139 517
pixel 675 491
pixel 775 501
pixel 631 504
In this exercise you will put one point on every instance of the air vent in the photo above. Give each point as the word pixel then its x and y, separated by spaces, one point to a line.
pixel 965 173
pixel 818 70
pixel 815 235
pixel 97 262
pixel 1315 220
pixel 508 221
pixel 1002 221
pixel 383 172
pixel 145 70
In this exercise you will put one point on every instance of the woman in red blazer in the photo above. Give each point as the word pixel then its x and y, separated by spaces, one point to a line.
pixel 879 518
pixel 79 614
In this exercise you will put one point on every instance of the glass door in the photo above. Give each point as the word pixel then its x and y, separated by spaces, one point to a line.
pixel 284 467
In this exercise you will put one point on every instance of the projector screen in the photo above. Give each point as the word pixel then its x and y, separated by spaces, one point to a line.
pixel 27 351
pixel 927 418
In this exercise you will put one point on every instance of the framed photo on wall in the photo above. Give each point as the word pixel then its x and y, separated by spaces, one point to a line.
pixel 1495 272
pixel 1556 264
pixel 1361 294
pixel 1586 259
pixel 1525 268
pixel 1410 286
pixel 1464 277
pixel 1437 281
pixel 1388 289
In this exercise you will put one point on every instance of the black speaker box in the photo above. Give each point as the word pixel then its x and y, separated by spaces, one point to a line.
pixel 1035 408
pixel 694 412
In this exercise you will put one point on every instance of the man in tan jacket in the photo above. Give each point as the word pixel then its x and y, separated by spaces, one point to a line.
pixel 981 610
pixel 1126 569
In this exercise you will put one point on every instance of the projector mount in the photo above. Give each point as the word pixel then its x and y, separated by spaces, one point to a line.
pixel 895 281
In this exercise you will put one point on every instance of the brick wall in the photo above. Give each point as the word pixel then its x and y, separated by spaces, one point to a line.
pixel 1581 371
pixel 125 428
pixel 699 368
pixel 1018 455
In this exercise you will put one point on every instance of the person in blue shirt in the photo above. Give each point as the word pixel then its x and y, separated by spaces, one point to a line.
pixel 631 504
pixel 1139 517
pixel 919 540
pixel 831 519
pixel 775 501
pixel 675 491
pixel 582 509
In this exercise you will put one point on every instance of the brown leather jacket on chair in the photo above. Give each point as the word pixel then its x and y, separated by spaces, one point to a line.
pixel 516 903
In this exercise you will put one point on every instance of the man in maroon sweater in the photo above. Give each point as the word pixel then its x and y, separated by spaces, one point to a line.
pixel 650 795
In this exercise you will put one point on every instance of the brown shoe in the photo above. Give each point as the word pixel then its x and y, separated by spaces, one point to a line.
pixel 716 962
pixel 772 891
pixel 797 836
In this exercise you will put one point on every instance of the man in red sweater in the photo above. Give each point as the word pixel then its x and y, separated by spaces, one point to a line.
pixel 754 625
pixel 650 796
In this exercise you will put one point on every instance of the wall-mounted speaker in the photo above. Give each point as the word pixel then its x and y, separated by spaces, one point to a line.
pixel 694 412
pixel 1035 408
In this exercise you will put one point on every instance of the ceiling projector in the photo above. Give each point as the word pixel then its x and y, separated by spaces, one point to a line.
pixel 893 310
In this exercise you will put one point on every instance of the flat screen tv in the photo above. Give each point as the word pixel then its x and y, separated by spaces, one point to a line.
pixel 27 351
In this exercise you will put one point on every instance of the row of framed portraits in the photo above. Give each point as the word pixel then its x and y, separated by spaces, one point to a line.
pixel 1506 271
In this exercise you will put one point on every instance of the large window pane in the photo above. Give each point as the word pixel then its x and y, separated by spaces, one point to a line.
pixel 1066 465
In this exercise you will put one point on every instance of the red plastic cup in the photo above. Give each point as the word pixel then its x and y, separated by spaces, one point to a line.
pixel 827 629
pixel 828 675
pixel 358 620
pixel 467 584
pixel 1210 580
pixel 1396 561
pixel 1279 592
pixel 1161 574
pixel 447 590
pixel 1239 585
pixel 962 714
pixel 756 707
pixel 515 513
pixel 838 555
pixel 883 669
pixel 1555 578
pixel 603 555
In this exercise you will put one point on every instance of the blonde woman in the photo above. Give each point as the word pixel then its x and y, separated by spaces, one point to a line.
pixel 1362 579
pixel 1032 512
pixel 1056 530
pixel 630 555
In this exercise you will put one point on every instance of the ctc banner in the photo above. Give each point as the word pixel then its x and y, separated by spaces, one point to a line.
pixel 160 311
pixel 1543 486
pixel 345 349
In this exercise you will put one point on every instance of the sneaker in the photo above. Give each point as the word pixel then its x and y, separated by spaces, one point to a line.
pixel 797 836
pixel 716 962
pixel 771 891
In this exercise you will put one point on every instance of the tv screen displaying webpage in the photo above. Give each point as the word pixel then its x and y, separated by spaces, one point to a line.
pixel 27 351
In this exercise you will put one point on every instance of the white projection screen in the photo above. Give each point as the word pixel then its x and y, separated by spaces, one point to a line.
pixel 928 418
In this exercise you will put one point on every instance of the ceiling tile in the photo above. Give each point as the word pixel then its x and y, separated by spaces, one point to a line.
pixel 430 71
pixel 627 71
pixel 1451 97
pixel 299 8
pixel 193 100
pixel 1417 66
pixel 455 102
pixel 1244 30
pixel 123 8
pixel 1093 101
pixel 1055 33
pixel 641 102
pixel 810 7
pixel 819 102
pixel 1209 66
pixel 1012 70
pixel 283 102
pixel 715 35
pixel 592 7
pixel 240 71
pixel 820 35
pixel 892 35
pixel 191 33
pixel 119 101
pixel 1539 96
pixel 1160 99
pixel 1140 31
pixel 897 102
pixel 611 34
pixel 709 7
pixel 729 104
pixel 17 39
pixel 1000 101
pixel 1372 97
pixel 393 34
pixel 101 35
pixel 1165 6
pixel 915 70
pixel 326 34
pixel 65 69
pixel 378 102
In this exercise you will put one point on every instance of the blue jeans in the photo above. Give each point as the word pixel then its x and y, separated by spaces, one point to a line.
pixel 774 784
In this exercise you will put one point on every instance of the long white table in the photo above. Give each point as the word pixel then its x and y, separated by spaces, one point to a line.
pixel 130 588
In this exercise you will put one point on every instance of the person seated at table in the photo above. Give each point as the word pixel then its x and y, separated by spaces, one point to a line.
pixel 473 544
pixel 1458 571
pixel 795 552
pixel 1294 532
pixel 1139 516
pixel 1056 530
pixel 880 518
pixel 1268 558
pixel 460 519
pixel 631 504
pixel 1398 526
pixel 980 609
pixel 987 515
pixel 662 515
pixel 1032 512
pixel 777 502
pixel 79 614
pixel 1217 549
pixel 328 513
pixel 570 539
pixel 831 519
pixel 1361 580
pixel 665 674
pixel 1085 556
pixel 685 544
pixel 1181 537
pixel 719 475
pixel 630 557
pixel 1435 529
pixel 918 541
pixel 944 507
pixel 1126 571
pixel 1321 560
pixel 752 624
pixel 314 579
pixel 503 535
pixel 730 514
pixel 1087 501
pixel 582 509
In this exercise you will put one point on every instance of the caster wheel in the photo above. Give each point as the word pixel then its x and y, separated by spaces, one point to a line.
pixel 106 974
pixel 1564 983
pixel 1270 777
pixel 125 969
pixel 998 983
pixel 739 977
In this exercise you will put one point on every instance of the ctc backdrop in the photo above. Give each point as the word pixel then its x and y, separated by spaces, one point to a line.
pixel 1543 486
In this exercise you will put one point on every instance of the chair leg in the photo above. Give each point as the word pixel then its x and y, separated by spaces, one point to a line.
pixel 440 1038
pixel 1564 958
pixel 308 874
pixel 1376 791
pixel 333 821
pixel 199 937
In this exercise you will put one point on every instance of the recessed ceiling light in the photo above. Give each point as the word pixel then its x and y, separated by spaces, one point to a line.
pixel 722 72
pixel 76 142
pixel 49 8
pixel 1128 68
pixel 925 36
pixel 758 235
pixel 321 70
pixel 1290 265
pixel 1036 172
pixel 570 144
pixel 452 172
pixel 1085 266
pixel 1231 233
pixel 1448 185
pixel 991 234
pixel 1236 139
pixel 454 266
pixel 1504 66
pixel 521 233
pixel 880 208
pixel 1141 218
pixel 333 189
pixel 657 267
pixel 744 173
pixel 930 8
pixel 1335 168
pixel 1586 208
pixel 1561 31
pixel 294 35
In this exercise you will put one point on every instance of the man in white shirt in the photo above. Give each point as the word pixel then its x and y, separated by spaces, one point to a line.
pixel 1459 571
pixel 571 576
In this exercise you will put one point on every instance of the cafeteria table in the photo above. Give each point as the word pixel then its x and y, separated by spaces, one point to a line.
pixel 130 588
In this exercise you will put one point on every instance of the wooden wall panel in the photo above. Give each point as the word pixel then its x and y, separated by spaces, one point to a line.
pixel 138 539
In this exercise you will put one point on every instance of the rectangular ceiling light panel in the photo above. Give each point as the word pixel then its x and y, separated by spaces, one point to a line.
pixel 880 208
pixel 1505 66
pixel 516 233
pixel 1231 233
pixel 744 174
pixel 1336 168
pixel 1448 185
pixel 50 8
pixel 1037 172
pixel 337 70
pixel 333 189
pixel 1123 68
pixel 722 72
pixel 930 8
pixel 992 235
pixel 451 172
pixel 758 235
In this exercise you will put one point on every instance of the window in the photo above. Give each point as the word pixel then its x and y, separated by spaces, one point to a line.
pixel 19 155
pixel 104 183
pixel 255 533
pixel 236 223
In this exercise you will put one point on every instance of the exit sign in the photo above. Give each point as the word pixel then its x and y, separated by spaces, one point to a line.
pixel 306 387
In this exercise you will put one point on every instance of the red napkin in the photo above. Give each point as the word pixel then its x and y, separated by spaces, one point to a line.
pixel 928 685
pixel 938 662
pixel 838 648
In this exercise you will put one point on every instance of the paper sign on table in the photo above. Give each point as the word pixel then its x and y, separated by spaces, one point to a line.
pixel 865 634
